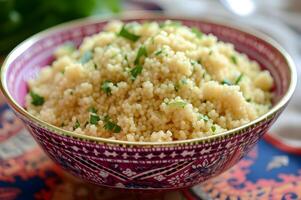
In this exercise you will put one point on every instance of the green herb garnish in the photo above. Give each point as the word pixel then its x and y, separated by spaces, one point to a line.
pixel 213 128
pixel 94 118
pixel 92 110
pixel 179 104
pixel 135 72
pixel 126 59
pixel 184 81
pixel 105 87
pixel 146 23
pixel 203 117
pixel 37 100
pixel 86 57
pixel 170 23
pixel 113 56
pixel 158 52
pixel 238 79
pixel 128 35
pixel 177 87
pixel 76 125
pixel 226 82
pixel 193 63
pixel 152 40
pixel 248 99
pixel 234 59
pixel 197 32
pixel 210 52
pixel 111 126
pixel 141 52
pixel 70 46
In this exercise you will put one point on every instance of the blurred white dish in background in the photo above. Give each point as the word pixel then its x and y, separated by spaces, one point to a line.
pixel 240 7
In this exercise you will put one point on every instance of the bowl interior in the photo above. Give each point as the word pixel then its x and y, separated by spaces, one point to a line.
pixel 26 60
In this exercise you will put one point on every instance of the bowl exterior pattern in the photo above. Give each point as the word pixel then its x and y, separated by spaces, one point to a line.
pixel 133 166
pixel 130 167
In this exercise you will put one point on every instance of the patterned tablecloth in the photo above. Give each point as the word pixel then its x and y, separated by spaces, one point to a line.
pixel 27 173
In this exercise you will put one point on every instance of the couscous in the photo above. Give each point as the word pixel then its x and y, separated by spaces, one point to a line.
pixel 150 82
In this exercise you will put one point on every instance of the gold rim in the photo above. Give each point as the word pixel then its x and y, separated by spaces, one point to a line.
pixel 143 15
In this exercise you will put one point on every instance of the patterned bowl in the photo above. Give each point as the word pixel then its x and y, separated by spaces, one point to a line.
pixel 134 165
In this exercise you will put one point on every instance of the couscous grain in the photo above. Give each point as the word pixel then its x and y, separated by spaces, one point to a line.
pixel 150 82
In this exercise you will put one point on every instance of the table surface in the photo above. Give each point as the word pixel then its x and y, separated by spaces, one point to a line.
pixel 27 173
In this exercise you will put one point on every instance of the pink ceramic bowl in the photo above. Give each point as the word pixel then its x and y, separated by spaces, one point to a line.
pixel 133 165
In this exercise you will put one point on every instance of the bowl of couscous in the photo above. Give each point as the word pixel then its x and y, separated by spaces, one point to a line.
pixel 146 101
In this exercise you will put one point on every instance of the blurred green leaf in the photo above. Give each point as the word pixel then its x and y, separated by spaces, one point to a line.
pixel 107 6
pixel 114 5
pixel 12 23
pixel 22 18
pixel 6 6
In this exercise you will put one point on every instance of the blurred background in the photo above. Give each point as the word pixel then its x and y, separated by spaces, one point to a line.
pixel 280 19
pixel 20 19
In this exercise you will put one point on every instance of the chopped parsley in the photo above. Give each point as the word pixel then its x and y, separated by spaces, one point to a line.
pixel 111 126
pixel 95 66
pixel 152 40
pixel 210 52
pixel 158 52
pixel 213 128
pixel 178 104
pixel 146 23
pixel 135 72
pixel 92 110
pixel 70 46
pixel 170 23
pixel 248 99
pixel 114 55
pixel 141 52
pixel 226 82
pixel 94 118
pixel 105 87
pixel 238 79
pixel 203 117
pixel 76 125
pixel 86 57
pixel 234 59
pixel 37 100
pixel 128 35
pixel 184 81
pixel 197 32
pixel 177 87
pixel 126 59
pixel 193 63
